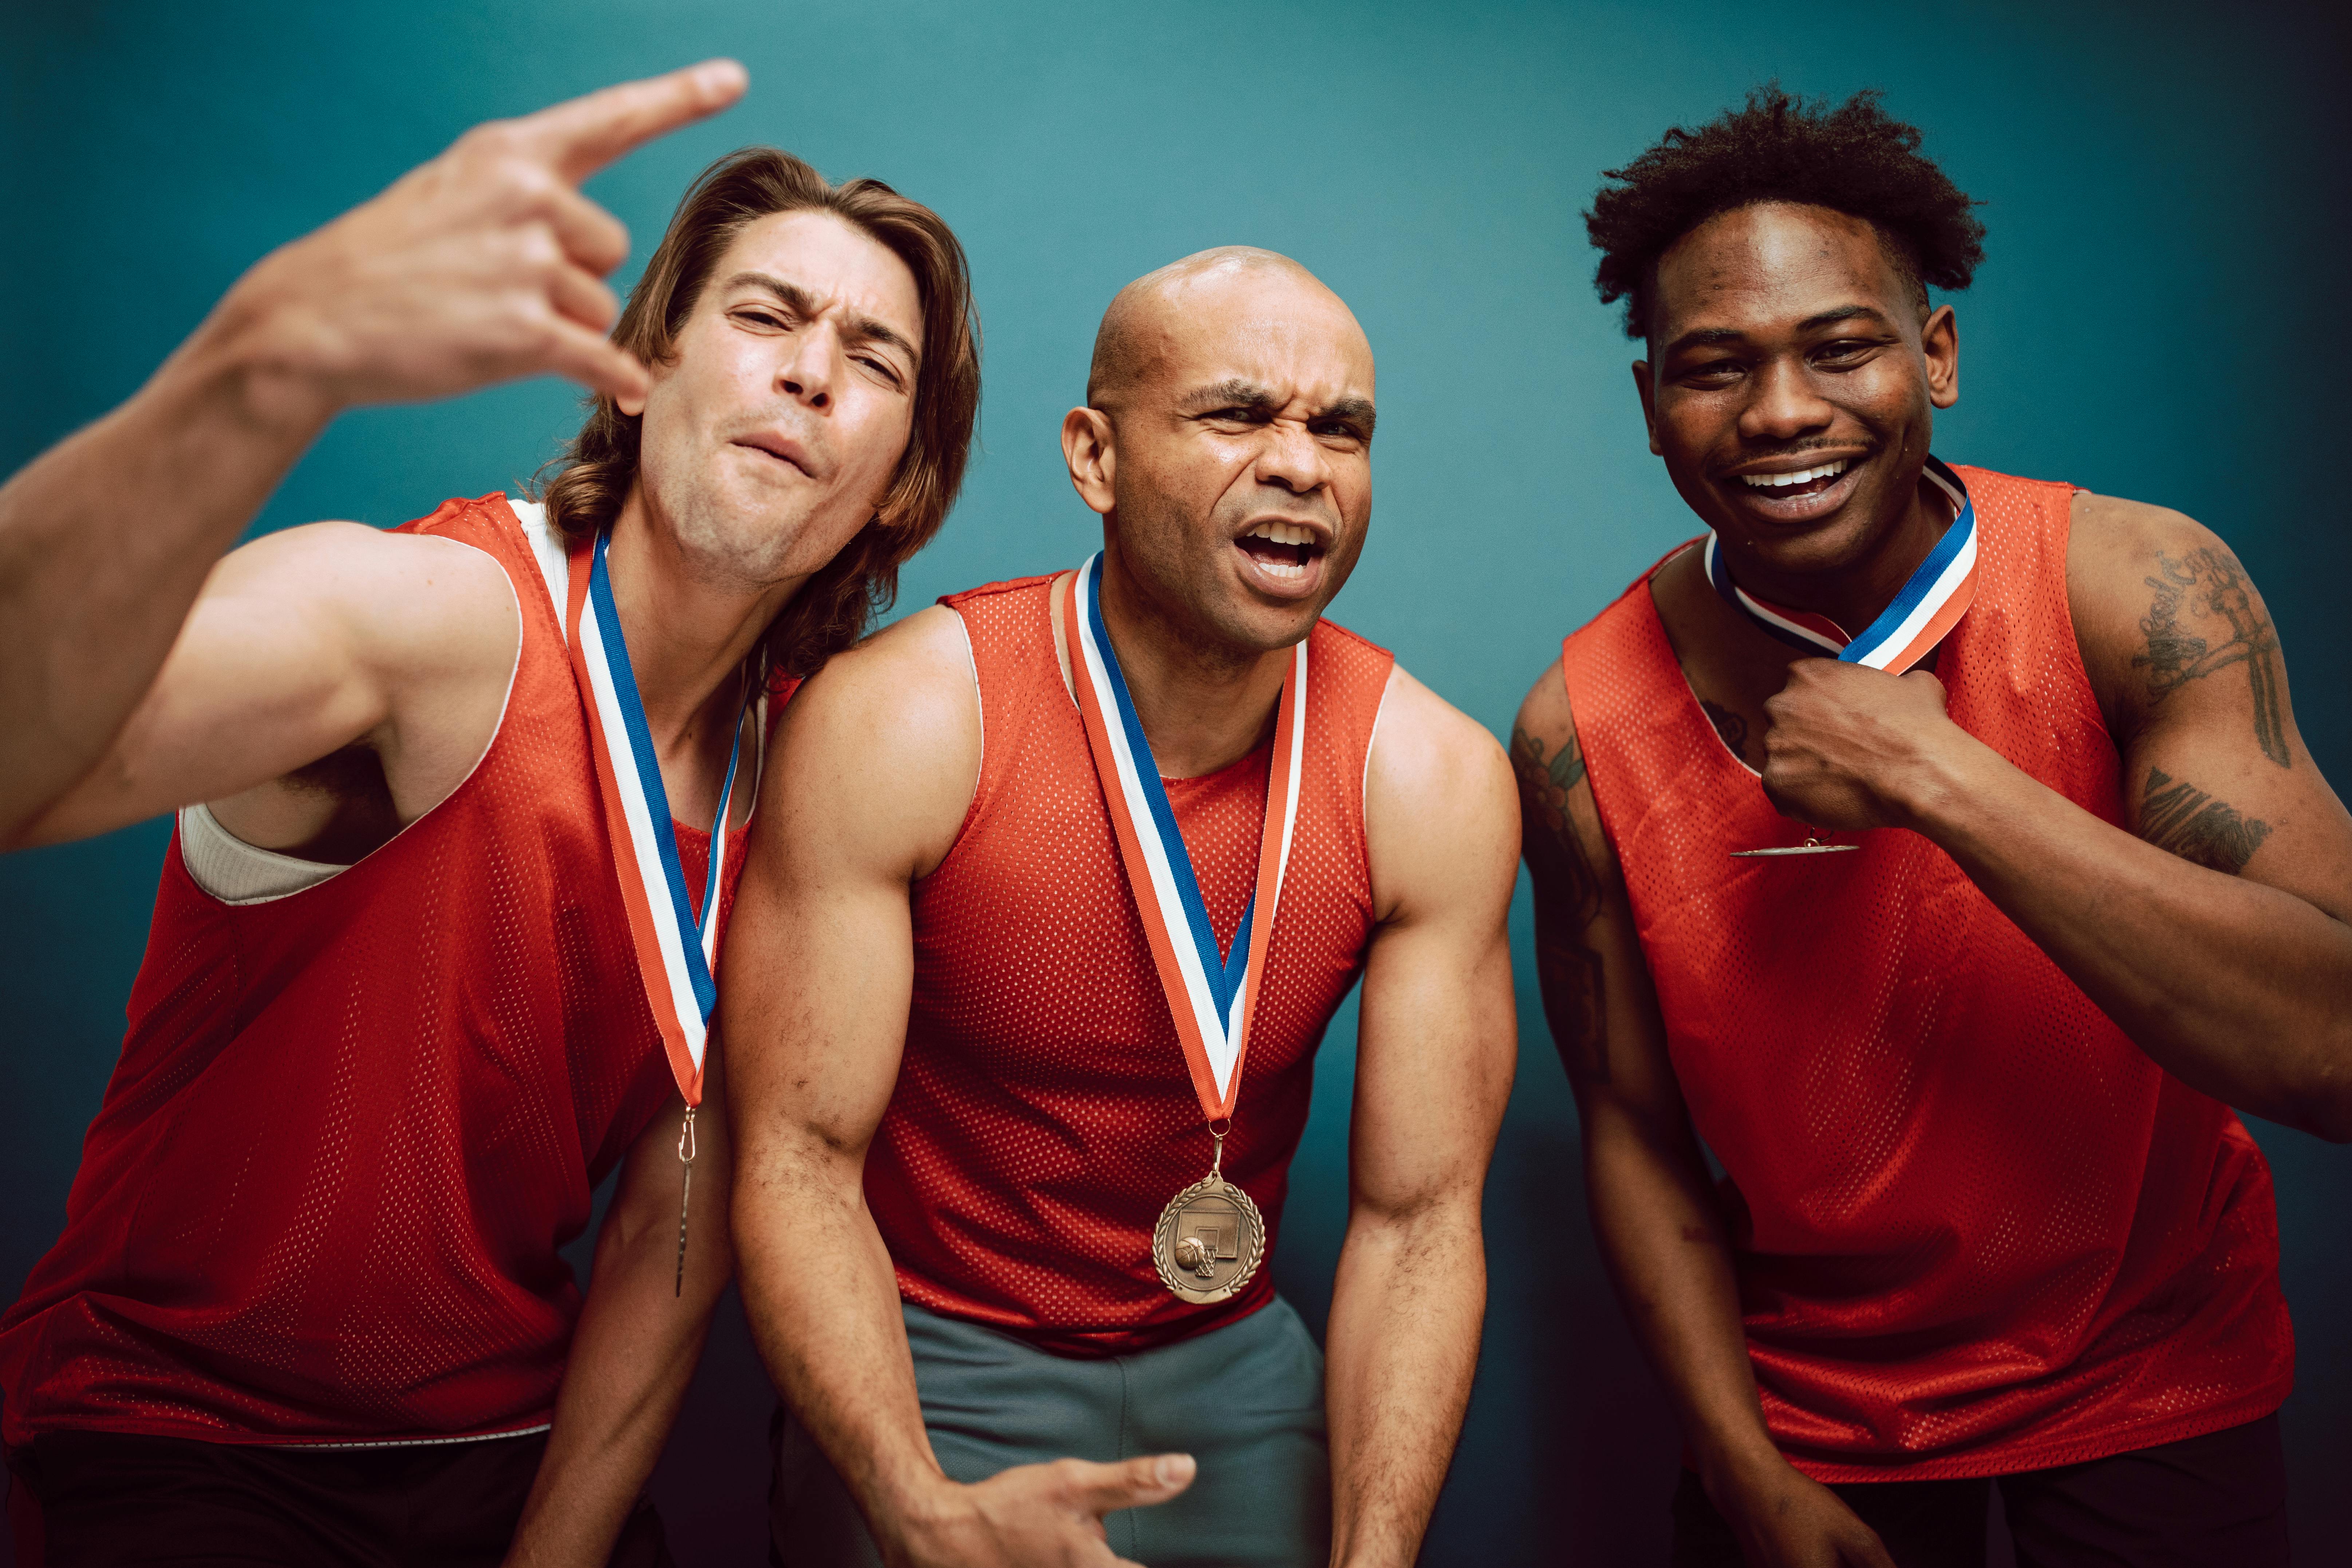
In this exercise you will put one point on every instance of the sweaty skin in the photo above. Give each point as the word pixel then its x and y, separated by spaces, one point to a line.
pixel 333 683
pixel 2216 938
pixel 1238 399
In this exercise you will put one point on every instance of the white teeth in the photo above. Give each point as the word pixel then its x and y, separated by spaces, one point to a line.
pixel 1283 533
pixel 1782 481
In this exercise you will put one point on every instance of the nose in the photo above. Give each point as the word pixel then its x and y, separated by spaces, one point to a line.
pixel 812 363
pixel 1782 404
pixel 1291 459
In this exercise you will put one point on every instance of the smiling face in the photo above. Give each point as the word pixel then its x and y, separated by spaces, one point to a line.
pixel 1791 384
pixel 773 430
pixel 1230 446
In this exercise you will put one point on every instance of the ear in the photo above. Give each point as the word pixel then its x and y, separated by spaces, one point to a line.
pixel 1939 342
pixel 1087 448
pixel 1648 391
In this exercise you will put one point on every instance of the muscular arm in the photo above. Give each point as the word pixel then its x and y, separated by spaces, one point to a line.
pixel 1435 1055
pixel 1653 1210
pixel 483 265
pixel 2213 930
pixel 639 1337
pixel 868 779
pixel 302 644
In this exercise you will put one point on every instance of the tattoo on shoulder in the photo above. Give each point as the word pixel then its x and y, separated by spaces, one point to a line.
pixel 1568 901
pixel 1727 724
pixel 2190 823
pixel 2212 588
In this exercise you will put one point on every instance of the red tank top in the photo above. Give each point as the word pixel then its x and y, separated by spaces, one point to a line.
pixel 1043 1113
pixel 1976 1229
pixel 350 1128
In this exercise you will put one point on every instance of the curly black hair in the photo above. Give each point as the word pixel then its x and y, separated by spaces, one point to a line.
pixel 1855 159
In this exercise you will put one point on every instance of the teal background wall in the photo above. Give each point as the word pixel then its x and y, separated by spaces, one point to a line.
pixel 2164 188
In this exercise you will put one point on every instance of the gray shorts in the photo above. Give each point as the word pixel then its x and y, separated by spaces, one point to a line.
pixel 1246 1400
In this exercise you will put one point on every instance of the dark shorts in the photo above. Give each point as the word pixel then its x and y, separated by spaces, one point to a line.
pixel 2214 1501
pixel 79 1498
pixel 1245 1400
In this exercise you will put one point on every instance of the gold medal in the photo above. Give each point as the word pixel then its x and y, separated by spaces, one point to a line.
pixel 1209 1239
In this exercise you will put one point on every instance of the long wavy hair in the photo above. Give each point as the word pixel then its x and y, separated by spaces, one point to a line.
pixel 588 484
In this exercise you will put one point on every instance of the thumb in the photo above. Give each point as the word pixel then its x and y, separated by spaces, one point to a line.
pixel 1133 1483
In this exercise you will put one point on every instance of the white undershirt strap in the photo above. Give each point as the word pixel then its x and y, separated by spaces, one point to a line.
pixel 237 872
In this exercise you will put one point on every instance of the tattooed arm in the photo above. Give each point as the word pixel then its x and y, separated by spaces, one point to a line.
pixel 2215 932
pixel 1653 1210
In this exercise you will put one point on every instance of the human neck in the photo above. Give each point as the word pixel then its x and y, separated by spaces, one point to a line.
pixel 1855 594
pixel 687 634
pixel 1204 705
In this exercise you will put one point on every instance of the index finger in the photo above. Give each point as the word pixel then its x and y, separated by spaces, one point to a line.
pixel 582 136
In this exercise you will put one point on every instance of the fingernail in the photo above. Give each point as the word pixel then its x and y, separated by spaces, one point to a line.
pixel 1174 1469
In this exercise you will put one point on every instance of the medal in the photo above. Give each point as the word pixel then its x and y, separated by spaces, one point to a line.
pixel 1930 603
pixel 1211 1236
pixel 678 951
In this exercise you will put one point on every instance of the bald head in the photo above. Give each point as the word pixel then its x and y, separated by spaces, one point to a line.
pixel 1151 318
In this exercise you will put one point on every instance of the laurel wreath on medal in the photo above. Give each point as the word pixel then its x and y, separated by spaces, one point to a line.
pixel 1180 1279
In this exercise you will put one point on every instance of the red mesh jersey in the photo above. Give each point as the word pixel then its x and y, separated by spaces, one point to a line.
pixel 1044 1114
pixel 350 1127
pixel 1976 1230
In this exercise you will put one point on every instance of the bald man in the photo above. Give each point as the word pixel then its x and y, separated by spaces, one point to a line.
pixel 1061 882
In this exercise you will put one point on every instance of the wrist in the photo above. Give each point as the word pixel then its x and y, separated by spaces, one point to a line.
pixel 1730 1466
pixel 921 1514
pixel 260 359
pixel 1939 786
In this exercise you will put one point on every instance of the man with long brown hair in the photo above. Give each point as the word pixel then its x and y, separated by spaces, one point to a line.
pixel 460 809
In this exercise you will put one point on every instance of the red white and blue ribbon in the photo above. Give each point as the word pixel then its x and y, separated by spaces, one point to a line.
pixel 678 951
pixel 1931 603
pixel 1211 997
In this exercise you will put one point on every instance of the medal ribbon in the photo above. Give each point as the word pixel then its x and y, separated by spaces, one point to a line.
pixel 676 950
pixel 1211 998
pixel 1931 602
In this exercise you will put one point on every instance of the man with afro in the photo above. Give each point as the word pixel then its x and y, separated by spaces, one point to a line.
pixel 1937 849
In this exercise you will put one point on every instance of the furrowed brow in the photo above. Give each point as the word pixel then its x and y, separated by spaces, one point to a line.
pixel 1234 393
pixel 1356 409
pixel 788 293
pixel 866 328
pixel 860 329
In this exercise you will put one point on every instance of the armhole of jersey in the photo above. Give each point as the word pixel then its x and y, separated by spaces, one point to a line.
pixel 980 707
pixel 238 874
pixel 1364 784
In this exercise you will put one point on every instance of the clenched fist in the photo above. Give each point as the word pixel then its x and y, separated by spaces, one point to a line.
pixel 485 264
pixel 1850 747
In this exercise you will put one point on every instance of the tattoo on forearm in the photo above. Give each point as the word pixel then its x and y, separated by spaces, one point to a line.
pixel 2194 825
pixel 1727 724
pixel 2212 586
pixel 1568 901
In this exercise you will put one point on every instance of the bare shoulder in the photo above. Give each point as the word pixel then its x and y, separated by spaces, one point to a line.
pixel 410 603
pixel 2159 603
pixel 881 747
pixel 1438 810
pixel 1428 752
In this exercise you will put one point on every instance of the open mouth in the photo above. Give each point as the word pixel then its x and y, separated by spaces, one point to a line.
pixel 1803 482
pixel 1798 496
pixel 1284 551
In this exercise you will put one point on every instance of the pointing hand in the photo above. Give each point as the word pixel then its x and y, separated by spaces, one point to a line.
pixel 485 264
